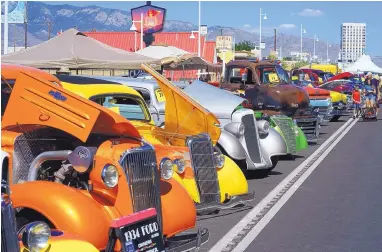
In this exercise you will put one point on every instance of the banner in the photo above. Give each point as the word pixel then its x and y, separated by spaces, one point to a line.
pixel 16 12
pixel 153 18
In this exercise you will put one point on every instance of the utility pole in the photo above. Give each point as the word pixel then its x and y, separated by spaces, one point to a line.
pixel 221 32
pixel 275 41
pixel 14 37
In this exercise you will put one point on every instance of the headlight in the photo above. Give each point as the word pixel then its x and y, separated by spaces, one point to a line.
pixel 263 127
pixel 110 175
pixel 241 129
pixel 166 168
pixel 235 128
pixel 180 165
pixel 36 236
pixel 219 157
pixel 340 105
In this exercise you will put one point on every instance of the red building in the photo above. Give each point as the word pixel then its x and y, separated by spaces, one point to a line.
pixel 181 40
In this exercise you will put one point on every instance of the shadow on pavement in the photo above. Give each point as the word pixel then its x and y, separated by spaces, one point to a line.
pixel 236 209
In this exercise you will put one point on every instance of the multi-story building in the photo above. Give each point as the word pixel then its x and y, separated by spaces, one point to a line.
pixel 353 41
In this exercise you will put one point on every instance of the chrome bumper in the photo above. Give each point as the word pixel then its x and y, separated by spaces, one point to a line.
pixel 187 242
pixel 202 209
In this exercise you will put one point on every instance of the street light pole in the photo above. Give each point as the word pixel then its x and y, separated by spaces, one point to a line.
pixel 141 30
pixel 327 51
pixel 5 27
pixel 302 31
pixel 315 38
pixel 265 17
pixel 134 28
pixel 199 33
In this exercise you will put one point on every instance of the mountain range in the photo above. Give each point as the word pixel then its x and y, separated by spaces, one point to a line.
pixel 44 18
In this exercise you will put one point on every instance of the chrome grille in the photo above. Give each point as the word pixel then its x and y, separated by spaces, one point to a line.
pixel 203 163
pixel 251 138
pixel 142 175
pixel 286 126
pixel 308 126
pixel 9 239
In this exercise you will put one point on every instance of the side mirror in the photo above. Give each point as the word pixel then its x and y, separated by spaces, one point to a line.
pixel 155 114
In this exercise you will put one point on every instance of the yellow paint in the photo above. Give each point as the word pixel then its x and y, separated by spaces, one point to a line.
pixel 326 68
pixel 65 244
pixel 231 178
pixel 336 97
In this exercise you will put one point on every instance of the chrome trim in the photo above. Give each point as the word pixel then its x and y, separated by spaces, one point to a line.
pixel 204 165
pixel 286 126
pixel 9 237
pixel 142 175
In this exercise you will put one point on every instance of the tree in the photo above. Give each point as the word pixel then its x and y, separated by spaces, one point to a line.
pixel 300 64
pixel 244 46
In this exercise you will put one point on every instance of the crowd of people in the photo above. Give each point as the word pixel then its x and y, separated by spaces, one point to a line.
pixel 371 98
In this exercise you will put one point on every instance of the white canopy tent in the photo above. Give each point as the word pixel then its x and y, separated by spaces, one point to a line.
pixel 161 52
pixel 364 64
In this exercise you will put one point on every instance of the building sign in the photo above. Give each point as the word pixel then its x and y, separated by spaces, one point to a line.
pixel 153 18
pixel 224 42
pixel 203 30
pixel 16 12
pixel 262 45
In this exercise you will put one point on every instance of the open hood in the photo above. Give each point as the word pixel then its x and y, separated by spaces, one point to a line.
pixel 218 101
pixel 183 114
pixel 42 103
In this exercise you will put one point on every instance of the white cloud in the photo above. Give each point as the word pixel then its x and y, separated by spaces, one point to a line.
pixel 311 13
pixel 247 26
pixel 287 26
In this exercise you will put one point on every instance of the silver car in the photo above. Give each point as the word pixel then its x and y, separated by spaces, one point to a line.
pixel 247 141
pixel 252 144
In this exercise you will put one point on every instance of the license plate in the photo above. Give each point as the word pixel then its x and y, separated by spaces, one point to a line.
pixel 160 96
pixel 138 232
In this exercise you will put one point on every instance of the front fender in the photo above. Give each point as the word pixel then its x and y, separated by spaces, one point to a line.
pixel 68 209
pixel 231 180
pixel 62 242
pixel 272 144
pixel 301 141
pixel 231 146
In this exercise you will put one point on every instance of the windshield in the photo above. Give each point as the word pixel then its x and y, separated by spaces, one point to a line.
pixel 272 75
pixel 128 106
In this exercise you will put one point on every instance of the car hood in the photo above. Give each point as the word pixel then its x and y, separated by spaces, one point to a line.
pixel 46 104
pixel 184 115
pixel 219 101
pixel 337 97
pixel 316 92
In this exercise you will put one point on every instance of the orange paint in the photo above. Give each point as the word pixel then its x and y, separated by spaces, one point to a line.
pixel 79 212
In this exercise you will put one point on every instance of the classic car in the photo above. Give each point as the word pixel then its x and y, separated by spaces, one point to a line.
pixel 232 144
pixel 252 144
pixel 319 98
pixel 88 165
pixel 34 236
pixel 211 189
pixel 266 87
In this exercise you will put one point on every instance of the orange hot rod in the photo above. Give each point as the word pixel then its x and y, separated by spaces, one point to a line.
pixel 85 164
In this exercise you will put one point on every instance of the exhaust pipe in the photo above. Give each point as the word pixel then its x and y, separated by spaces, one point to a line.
pixel 45 156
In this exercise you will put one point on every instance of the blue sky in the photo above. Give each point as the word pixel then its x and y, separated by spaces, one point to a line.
pixel 321 18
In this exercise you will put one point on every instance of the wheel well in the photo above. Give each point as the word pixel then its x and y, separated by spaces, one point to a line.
pixel 27 215
pixel 241 163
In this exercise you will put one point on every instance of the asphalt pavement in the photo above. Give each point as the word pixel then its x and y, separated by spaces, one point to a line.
pixel 338 207
pixel 221 224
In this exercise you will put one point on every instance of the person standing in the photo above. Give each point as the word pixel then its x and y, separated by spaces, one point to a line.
pixel 375 86
pixel 356 95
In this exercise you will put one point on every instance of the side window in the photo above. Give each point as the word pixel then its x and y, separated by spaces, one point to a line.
pixel 146 95
pixel 236 73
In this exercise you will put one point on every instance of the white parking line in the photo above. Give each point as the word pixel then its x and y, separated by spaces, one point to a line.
pixel 247 229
